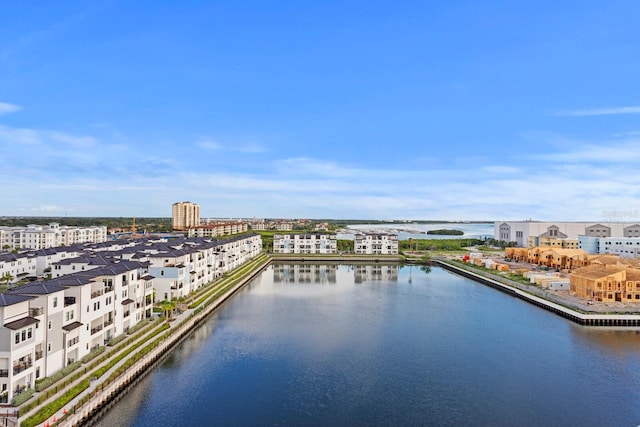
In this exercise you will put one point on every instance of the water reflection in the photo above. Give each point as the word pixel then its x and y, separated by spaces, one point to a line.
pixel 304 273
pixel 440 350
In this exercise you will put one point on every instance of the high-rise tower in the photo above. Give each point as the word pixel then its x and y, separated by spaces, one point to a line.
pixel 185 215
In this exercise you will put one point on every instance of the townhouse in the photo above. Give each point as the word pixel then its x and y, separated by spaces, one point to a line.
pixel 376 244
pixel 305 244
pixel 96 295
pixel 47 236
pixel 218 229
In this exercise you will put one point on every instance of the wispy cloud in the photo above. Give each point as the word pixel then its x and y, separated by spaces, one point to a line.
pixel 6 108
pixel 213 145
pixel 209 145
pixel 601 111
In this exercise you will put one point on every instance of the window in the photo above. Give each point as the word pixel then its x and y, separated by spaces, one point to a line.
pixel 49 326
pixel 17 337
pixel 29 332
pixel 55 302
pixel 49 347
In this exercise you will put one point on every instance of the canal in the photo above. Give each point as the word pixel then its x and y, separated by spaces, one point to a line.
pixel 331 345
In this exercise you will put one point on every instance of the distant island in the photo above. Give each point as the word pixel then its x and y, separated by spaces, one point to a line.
pixel 446 232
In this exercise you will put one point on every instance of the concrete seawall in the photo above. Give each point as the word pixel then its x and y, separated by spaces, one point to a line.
pixel 113 392
pixel 587 319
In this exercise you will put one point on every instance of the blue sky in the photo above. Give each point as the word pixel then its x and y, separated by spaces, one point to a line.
pixel 460 110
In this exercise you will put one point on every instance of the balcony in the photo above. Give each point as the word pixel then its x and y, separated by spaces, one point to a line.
pixel 36 311
pixel 4 373
pixel 21 366
pixel 108 323
pixel 96 329
pixel 69 301
pixel 126 314
pixel 39 355
pixel 96 294
pixel 73 341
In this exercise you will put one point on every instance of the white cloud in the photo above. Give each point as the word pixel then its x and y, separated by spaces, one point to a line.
pixel 602 111
pixel 6 108
pixel 209 145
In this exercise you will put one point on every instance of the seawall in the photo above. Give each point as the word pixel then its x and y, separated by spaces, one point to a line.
pixel 587 319
pixel 103 400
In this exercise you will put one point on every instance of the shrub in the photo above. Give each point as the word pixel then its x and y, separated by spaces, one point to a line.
pixel 22 397
pixel 46 382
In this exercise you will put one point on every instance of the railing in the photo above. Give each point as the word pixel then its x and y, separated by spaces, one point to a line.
pixel 127 313
pixel 96 329
pixel 22 366
pixel 36 311
pixel 73 341
pixel 108 322
pixel 4 373
pixel 38 355
pixel 69 301
pixel 96 294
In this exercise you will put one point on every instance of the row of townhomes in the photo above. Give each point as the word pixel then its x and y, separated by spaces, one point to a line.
pixel 49 236
pixel 607 278
pixel 305 244
pixel 218 229
pixel 376 244
pixel 364 244
pixel 96 292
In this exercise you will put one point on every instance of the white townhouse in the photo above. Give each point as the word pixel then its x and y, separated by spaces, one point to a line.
pixel 170 269
pixel 376 244
pixel 218 229
pixel 19 334
pixel 47 325
pixel 80 263
pixel 94 306
pixel 36 236
pixel 305 244
pixel 188 265
pixel 18 266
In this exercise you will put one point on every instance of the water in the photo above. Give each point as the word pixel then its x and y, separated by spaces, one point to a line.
pixel 345 345
pixel 418 231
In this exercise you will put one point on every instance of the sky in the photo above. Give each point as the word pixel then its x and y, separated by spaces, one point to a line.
pixel 451 110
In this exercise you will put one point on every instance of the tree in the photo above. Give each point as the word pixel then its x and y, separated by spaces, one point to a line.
pixel 167 308
pixel 5 280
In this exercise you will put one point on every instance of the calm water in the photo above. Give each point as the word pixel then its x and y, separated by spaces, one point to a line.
pixel 344 345
pixel 418 231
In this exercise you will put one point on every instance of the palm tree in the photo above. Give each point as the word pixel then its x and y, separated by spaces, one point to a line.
pixel 4 281
pixel 167 308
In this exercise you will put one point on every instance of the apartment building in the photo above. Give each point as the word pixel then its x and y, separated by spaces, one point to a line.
pixel 305 244
pixel 218 229
pixel 185 215
pixel 534 233
pixel 376 244
pixel 36 237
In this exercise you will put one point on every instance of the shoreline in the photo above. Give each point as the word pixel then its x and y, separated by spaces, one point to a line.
pixel 588 318
pixel 104 399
